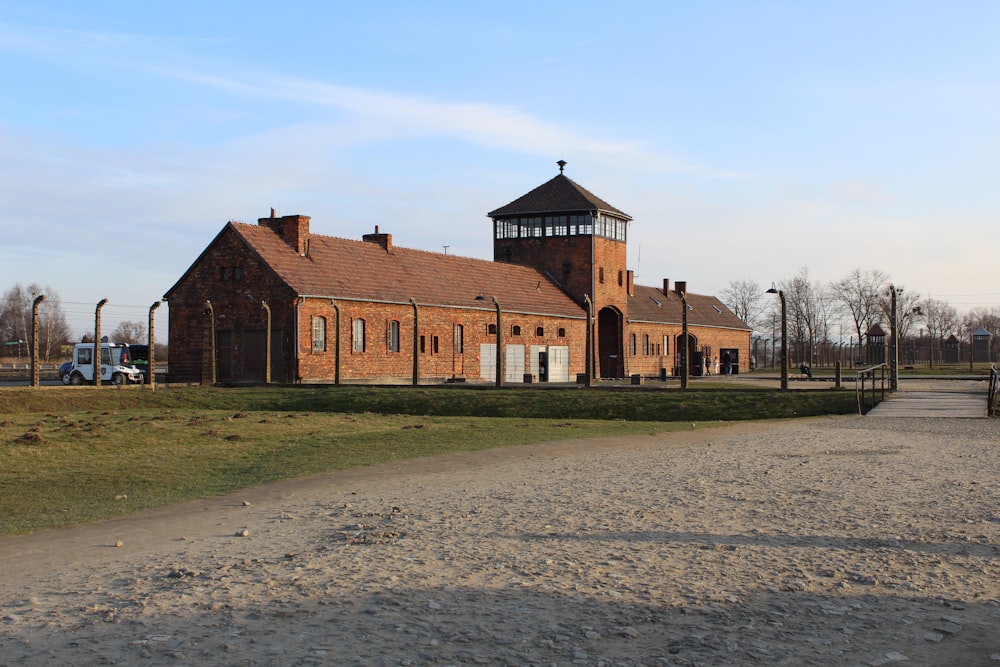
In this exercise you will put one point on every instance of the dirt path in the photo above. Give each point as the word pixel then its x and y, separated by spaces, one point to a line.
pixel 833 541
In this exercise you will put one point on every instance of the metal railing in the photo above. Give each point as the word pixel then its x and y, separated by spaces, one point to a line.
pixel 991 398
pixel 877 392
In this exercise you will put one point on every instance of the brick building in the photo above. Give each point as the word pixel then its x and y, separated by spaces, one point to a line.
pixel 276 302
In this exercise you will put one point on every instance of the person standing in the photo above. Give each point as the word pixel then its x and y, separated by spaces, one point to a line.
pixel 727 364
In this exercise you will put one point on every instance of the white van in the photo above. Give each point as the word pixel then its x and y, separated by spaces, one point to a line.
pixel 116 366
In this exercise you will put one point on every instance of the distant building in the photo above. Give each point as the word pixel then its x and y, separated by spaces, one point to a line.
pixel 337 310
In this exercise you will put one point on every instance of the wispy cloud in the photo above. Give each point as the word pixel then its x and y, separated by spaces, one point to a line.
pixel 372 114
pixel 490 125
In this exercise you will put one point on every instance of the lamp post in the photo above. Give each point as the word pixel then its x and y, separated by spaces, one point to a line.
pixel 684 346
pixel 500 366
pixel 784 336
pixel 894 346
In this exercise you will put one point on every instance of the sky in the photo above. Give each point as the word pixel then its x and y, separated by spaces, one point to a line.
pixel 748 140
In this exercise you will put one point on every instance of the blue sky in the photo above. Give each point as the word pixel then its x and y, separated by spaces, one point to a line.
pixel 746 139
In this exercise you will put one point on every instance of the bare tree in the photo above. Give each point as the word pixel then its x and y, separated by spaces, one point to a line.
pixel 989 319
pixel 746 299
pixel 53 329
pixel 862 293
pixel 941 319
pixel 909 309
pixel 16 315
pixel 129 332
pixel 809 307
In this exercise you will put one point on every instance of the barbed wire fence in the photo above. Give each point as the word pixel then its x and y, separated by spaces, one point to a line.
pixel 80 317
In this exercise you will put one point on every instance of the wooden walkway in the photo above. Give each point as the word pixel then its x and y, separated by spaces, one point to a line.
pixel 953 399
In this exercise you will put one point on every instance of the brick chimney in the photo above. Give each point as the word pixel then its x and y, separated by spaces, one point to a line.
pixel 666 287
pixel 293 230
pixel 681 287
pixel 630 282
pixel 384 240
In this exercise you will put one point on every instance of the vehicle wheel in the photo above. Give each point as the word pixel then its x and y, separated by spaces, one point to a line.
pixel 65 378
pixel 118 379
pixel 76 379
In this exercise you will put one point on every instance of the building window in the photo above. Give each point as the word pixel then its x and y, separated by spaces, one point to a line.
pixel 515 330
pixel 459 339
pixel 539 331
pixel 600 275
pixel 645 344
pixel 562 332
pixel 319 334
pixel 666 345
pixel 358 337
pixel 393 336
pixel 435 345
pixel 632 344
pixel 491 329
pixel 232 272
pixel 620 283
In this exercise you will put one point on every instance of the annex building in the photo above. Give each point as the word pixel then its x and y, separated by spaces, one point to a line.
pixel 275 302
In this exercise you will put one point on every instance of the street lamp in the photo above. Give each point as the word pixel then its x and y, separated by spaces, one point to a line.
pixel 784 336
pixel 894 347
pixel 685 348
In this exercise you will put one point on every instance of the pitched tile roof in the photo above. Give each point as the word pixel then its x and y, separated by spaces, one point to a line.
pixel 345 269
pixel 559 195
pixel 649 304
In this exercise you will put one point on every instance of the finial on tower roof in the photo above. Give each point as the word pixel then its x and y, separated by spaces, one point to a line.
pixel 561 163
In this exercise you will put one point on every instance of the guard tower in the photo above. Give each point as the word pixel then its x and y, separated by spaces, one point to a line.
pixel 876 345
pixel 579 241
pixel 981 345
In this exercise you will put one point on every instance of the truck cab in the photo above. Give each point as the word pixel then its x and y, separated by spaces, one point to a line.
pixel 116 366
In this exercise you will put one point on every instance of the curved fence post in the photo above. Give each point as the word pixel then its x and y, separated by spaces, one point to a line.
pixel 991 398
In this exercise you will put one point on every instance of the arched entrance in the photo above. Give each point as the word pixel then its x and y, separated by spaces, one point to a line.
pixel 694 357
pixel 611 361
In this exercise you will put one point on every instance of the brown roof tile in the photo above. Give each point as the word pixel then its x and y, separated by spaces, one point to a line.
pixel 345 269
pixel 559 195
pixel 649 304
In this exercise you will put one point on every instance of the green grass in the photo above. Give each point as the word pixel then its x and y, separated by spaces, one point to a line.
pixel 73 455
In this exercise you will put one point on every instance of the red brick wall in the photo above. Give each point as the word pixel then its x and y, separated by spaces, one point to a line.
pixel 609 255
pixel 566 258
pixel 649 365
pixel 378 363
pixel 235 282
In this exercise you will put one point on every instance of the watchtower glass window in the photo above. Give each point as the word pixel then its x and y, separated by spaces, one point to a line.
pixel 581 224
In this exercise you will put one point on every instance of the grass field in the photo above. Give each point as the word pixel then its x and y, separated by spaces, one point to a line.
pixel 77 454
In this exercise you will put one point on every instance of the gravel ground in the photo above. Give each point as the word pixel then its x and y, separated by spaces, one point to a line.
pixel 827 541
